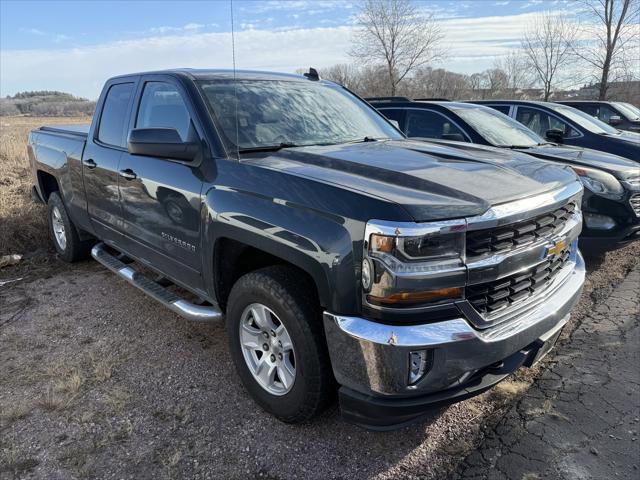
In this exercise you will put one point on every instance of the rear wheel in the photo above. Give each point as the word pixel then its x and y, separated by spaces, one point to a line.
pixel 277 343
pixel 63 232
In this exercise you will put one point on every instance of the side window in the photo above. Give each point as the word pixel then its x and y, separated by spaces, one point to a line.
pixel 501 108
pixel 605 113
pixel 162 106
pixel 540 121
pixel 429 124
pixel 590 109
pixel 114 114
pixel 393 114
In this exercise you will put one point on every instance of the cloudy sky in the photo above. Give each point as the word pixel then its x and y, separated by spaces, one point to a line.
pixel 74 46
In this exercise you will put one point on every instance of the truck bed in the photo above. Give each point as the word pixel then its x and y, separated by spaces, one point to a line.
pixel 80 130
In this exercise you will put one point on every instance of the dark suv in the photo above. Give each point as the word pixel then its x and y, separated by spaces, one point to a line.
pixel 570 126
pixel 620 115
pixel 612 183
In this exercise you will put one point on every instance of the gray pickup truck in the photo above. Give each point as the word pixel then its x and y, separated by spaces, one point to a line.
pixel 340 255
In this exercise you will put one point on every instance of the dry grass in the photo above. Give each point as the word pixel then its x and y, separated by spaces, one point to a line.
pixel 117 399
pixel 23 222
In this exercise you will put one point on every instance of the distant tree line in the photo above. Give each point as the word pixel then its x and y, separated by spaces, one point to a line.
pixel 46 103
pixel 396 44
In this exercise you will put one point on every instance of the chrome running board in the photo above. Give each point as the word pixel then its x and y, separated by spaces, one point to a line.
pixel 182 307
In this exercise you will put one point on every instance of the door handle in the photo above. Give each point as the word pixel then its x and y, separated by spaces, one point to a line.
pixel 90 163
pixel 128 174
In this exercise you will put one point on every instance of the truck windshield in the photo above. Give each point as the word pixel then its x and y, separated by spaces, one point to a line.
pixel 273 114
pixel 584 120
pixel 497 128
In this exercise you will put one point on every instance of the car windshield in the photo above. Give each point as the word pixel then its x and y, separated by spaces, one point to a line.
pixel 584 120
pixel 272 114
pixel 629 111
pixel 497 128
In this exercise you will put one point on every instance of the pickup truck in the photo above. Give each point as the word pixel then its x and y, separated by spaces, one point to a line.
pixel 342 257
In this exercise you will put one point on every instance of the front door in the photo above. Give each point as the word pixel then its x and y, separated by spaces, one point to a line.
pixel 161 198
pixel 100 161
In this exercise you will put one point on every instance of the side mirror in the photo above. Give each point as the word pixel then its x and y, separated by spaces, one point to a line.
pixel 161 142
pixel 395 123
pixel 454 137
pixel 615 120
pixel 554 135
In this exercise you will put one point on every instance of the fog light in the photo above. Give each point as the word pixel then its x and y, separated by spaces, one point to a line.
pixel 599 222
pixel 418 365
pixel 367 274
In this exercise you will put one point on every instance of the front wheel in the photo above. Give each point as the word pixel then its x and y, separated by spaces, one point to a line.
pixel 277 343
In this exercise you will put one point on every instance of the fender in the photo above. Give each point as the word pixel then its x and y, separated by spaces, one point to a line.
pixel 317 243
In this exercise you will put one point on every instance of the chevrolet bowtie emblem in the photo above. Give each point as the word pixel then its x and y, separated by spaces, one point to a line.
pixel 556 248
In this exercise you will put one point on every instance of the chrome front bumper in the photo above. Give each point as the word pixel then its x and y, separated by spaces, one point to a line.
pixel 373 359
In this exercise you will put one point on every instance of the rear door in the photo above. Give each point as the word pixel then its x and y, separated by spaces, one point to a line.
pixel 161 198
pixel 101 158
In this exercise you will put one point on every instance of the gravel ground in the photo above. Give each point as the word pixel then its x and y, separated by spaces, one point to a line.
pixel 99 381
pixel 580 419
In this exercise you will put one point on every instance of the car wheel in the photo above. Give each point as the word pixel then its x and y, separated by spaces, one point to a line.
pixel 277 343
pixel 63 232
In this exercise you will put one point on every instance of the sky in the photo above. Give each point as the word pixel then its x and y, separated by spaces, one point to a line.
pixel 74 46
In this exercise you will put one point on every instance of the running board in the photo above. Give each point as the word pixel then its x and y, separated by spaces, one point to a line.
pixel 170 300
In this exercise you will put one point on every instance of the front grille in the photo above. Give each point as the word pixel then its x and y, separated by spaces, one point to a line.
pixel 492 297
pixel 635 203
pixel 515 235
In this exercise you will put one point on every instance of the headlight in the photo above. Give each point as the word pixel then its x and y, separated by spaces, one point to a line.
pixel 599 182
pixel 402 265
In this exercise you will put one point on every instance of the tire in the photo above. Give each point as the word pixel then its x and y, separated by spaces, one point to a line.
pixel 63 232
pixel 286 295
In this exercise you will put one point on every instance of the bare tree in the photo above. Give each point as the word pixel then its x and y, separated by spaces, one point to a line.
pixel 514 65
pixel 609 39
pixel 396 34
pixel 497 81
pixel 345 74
pixel 548 47
pixel 438 83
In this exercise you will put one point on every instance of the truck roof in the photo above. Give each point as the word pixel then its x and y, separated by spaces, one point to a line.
pixel 221 74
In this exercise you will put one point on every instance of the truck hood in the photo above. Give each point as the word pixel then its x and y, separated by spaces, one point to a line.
pixel 432 181
pixel 618 166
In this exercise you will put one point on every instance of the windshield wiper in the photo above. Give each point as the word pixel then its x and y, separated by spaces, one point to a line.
pixel 366 139
pixel 268 148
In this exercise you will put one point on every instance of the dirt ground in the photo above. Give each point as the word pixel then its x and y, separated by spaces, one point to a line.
pixel 99 381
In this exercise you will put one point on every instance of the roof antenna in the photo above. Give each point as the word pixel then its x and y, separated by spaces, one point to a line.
pixel 235 85
pixel 312 74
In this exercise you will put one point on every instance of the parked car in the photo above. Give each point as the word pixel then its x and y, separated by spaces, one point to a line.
pixel 569 126
pixel 337 250
pixel 621 115
pixel 611 204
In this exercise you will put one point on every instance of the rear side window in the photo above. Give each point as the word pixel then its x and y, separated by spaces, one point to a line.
pixel 114 114
pixel 429 124
pixel 393 114
pixel 162 106
pixel 502 108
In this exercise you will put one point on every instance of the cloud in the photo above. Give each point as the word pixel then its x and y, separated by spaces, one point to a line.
pixel 33 31
pixel 471 45
pixel 86 68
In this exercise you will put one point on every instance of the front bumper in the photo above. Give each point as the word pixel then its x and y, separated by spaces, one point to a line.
pixel 371 360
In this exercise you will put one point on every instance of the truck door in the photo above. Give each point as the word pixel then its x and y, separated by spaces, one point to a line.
pixel 161 197
pixel 105 145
